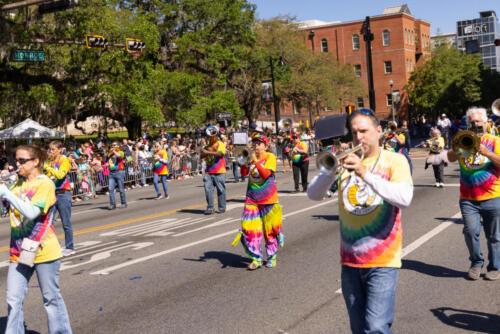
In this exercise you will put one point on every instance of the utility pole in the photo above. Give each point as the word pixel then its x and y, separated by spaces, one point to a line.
pixel 368 38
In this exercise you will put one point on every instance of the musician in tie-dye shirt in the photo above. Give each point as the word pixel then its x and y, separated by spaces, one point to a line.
pixel 300 162
pixel 262 212
pixel 33 243
pixel 480 196
pixel 57 169
pixel 372 192
pixel 160 169
pixel 215 174
pixel 116 162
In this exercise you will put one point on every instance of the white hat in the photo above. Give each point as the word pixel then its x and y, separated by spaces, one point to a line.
pixel 443 115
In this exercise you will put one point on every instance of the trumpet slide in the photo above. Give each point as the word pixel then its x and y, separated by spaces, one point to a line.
pixel 330 163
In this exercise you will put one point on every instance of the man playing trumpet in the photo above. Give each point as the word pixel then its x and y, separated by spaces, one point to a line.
pixel 372 193
pixel 480 195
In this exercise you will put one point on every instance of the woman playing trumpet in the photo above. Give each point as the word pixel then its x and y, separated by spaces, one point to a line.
pixel 262 212
pixel 434 158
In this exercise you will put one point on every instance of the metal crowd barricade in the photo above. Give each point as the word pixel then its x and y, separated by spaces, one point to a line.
pixel 87 183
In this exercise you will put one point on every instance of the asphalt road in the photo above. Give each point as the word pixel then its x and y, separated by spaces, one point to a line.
pixel 164 267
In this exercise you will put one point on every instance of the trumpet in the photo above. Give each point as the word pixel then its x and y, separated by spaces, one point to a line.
pixel 466 143
pixel 5 180
pixel 328 162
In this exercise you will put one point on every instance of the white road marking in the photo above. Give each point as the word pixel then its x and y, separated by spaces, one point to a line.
pixel 432 185
pixel 424 238
pixel 108 270
pixel 234 206
pixel 222 222
pixel 104 255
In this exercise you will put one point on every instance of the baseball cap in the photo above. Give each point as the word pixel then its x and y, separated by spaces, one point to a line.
pixel 260 137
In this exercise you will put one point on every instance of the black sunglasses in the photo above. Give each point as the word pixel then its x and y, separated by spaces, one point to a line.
pixel 22 161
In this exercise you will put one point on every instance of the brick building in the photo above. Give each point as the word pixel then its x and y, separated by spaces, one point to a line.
pixel 400 44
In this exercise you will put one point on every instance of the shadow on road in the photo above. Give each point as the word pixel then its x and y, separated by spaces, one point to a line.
pixel 3 324
pixel 453 220
pixel 226 259
pixel 431 269
pixel 477 322
pixel 326 217
pixel 194 211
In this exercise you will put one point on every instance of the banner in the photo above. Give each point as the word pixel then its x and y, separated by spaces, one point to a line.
pixel 267 91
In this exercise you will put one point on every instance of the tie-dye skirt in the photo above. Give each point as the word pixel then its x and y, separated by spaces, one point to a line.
pixel 258 218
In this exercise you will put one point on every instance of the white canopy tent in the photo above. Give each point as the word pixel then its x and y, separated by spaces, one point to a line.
pixel 29 129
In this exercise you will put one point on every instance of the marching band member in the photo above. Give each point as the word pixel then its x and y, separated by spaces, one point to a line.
pixel 57 169
pixel 372 193
pixel 480 197
pixel 262 212
pixel 116 175
pixel 300 162
pixel 285 151
pixel 33 244
pixel 434 158
pixel 215 173
pixel 395 142
pixel 160 170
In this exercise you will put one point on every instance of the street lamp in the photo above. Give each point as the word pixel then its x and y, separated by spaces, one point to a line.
pixel 276 106
pixel 391 83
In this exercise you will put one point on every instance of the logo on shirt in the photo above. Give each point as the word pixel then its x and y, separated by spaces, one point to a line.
pixel 359 199
pixel 475 161
pixel 391 144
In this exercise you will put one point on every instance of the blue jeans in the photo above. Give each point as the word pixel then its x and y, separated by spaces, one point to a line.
pixel 235 171
pixel 63 205
pixel 489 211
pixel 17 287
pixel 156 177
pixel 143 170
pixel 369 295
pixel 219 182
pixel 117 178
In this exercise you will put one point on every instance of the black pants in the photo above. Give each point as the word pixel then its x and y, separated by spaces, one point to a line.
pixel 303 169
pixel 438 172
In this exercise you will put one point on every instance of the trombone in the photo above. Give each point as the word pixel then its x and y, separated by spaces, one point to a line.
pixel 243 155
pixel 328 162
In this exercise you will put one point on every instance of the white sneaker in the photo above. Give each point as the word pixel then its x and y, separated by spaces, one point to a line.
pixel 67 252
pixel 159 197
pixel 441 185
pixel 436 185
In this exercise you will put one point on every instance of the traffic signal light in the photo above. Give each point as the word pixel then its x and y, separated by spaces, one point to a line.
pixel 96 42
pixel 134 45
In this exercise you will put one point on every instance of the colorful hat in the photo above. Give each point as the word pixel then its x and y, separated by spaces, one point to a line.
pixel 260 137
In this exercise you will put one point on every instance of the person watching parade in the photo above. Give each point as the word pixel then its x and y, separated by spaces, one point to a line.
pixel 160 170
pixel 215 172
pixel 57 169
pixel 262 212
pixel 394 140
pixel 116 175
pixel 33 242
pixel 300 162
pixel 372 192
pixel 480 195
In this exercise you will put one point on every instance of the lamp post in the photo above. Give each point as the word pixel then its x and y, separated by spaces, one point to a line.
pixel 275 103
pixel 391 83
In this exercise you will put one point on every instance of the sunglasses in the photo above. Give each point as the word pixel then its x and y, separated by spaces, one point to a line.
pixel 362 111
pixel 22 161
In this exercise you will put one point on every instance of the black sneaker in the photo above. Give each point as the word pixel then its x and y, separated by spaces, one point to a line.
pixel 209 211
pixel 221 211
pixel 166 197
pixel 159 196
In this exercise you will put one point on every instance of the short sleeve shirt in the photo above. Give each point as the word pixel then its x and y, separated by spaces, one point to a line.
pixel 259 190
pixel 217 165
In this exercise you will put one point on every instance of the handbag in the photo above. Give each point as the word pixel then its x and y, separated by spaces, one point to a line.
pixel 28 252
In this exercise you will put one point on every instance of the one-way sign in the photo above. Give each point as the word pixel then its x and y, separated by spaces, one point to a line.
pixel 223 115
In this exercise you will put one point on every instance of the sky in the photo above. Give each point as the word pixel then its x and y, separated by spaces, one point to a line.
pixel 442 14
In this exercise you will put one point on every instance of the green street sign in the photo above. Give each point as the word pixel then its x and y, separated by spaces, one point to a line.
pixel 28 55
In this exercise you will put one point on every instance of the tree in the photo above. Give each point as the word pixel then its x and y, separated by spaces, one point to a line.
pixel 449 82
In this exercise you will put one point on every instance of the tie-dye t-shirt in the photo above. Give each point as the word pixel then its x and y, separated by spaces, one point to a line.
pixel 116 163
pixel 479 178
pixel 217 165
pixel 159 167
pixel 262 191
pixel 300 157
pixel 41 193
pixel 58 172
pixel 370 228
pixel 391 144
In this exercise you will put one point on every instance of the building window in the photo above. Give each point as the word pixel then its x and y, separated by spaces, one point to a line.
pixel 360 102
pixel 324 45
pixel 386 37
pixel 267 109
pixel 357 70
pixel 388 67
pixel 388 99
pixel 406 36
pixel 355 42
pixel 411 38
pixel 296 108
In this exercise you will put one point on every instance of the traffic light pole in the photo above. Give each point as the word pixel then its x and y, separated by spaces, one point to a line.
pixel 368 37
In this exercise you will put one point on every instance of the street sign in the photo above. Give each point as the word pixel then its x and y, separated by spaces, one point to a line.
pixel 28 55
pixel 223 115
